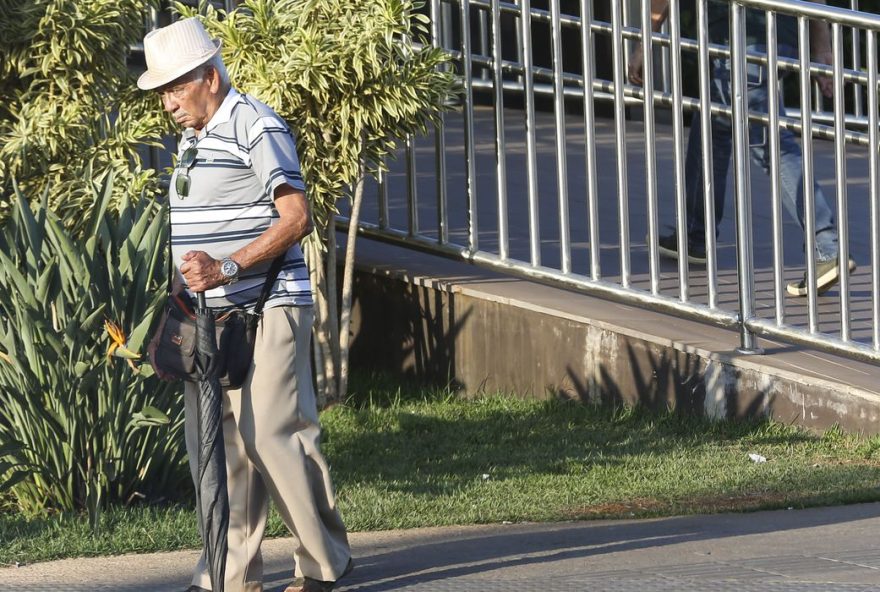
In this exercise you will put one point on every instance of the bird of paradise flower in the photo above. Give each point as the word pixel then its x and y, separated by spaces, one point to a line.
pixel 119 345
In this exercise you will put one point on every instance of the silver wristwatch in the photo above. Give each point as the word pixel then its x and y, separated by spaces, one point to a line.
pixel 229 269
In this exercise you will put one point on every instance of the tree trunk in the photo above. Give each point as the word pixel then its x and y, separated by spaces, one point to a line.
pixel 325 318
pixel 333 306
pixel 347 281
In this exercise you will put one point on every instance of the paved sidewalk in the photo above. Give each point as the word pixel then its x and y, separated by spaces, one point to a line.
pixel 821 550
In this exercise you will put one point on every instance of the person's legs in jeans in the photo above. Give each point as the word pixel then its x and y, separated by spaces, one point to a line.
pixel 721 148
pixel 791 171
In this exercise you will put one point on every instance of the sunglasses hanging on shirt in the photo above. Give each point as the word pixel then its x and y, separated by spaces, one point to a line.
pixel 184 164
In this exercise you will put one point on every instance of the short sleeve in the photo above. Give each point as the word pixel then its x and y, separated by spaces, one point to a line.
pixel 273 155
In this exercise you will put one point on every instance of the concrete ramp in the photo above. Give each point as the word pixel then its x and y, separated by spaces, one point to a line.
pixel 434 318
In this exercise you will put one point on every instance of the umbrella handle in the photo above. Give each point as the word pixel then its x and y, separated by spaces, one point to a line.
pixel 200 296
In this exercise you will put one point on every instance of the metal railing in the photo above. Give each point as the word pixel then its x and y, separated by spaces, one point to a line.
pixel 483 187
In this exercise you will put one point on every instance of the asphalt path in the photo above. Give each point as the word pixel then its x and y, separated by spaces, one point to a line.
pixel 822 550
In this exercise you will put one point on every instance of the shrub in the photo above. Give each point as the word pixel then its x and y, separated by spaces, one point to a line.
pixel 77 428
pixel 68 102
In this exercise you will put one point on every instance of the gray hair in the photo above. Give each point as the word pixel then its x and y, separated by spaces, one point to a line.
pixel 216 62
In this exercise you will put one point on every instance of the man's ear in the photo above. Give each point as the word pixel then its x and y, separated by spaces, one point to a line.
pixel 213 79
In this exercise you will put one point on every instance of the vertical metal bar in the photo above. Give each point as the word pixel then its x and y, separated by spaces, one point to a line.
pixel 484 41
pixel 587 60
pixel 470 156
pixel 627 21
pixel 874 188
pixel 620 142
pixel 705 114
pixel 447 29
pixel 742 181
pixel 775 187
pixel 664 61
pixel 440 139
pixel 561 164
pixel 155 156
pixel 650 149
pixel 382 196
pixel 519 42
pixel 500 145
pixel 531 148
pixel 840 174
pixel 809 196
pixel 858 101
pixel 412 205
pixel 678 152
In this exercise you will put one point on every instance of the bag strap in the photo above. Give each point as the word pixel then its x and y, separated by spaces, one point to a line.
pixel 271 276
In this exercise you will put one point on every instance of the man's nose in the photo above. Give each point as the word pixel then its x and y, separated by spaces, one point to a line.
pixel 168 102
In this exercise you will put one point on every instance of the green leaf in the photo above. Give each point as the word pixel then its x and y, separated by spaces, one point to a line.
pixel 150 416
pixel 13 480
pixel 11 449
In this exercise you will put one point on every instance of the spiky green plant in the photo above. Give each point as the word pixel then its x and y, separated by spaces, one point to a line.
pixel 68 103
pixel 78 428
pixel 350 80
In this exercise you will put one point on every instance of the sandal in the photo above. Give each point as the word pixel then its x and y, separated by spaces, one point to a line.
pixel 308 584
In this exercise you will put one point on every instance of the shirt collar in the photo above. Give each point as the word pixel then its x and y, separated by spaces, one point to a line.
pixel 224 113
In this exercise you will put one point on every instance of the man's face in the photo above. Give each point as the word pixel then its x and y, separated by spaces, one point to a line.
pixel 187 99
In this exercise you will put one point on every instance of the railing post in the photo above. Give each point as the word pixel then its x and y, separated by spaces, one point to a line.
pixel 620 141
pixel 500 142
pixel 525 28
pixel 742 182
pixel 588 59
pixel 874 186
pixel 469 140
pixel 437 15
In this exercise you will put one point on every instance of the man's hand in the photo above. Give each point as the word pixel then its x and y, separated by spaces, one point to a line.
pixel 636 65
pixel 826 83
pixel 201 271
pixel 659 14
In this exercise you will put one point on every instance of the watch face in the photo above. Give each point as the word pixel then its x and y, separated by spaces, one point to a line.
pixel 229 268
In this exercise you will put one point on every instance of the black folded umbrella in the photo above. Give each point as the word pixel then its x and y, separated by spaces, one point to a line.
pixel 212 496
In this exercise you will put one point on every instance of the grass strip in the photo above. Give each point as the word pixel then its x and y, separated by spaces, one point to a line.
pixel 421 457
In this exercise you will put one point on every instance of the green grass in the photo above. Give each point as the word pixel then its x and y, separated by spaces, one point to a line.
pixel 428 458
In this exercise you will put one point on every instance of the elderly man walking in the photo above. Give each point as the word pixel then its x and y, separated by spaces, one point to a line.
pixel 237 202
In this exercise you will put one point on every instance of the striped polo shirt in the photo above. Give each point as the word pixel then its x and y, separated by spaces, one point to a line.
pixel 243 153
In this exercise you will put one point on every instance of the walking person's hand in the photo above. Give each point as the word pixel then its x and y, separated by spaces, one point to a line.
pixel 636 65
pixel 826 83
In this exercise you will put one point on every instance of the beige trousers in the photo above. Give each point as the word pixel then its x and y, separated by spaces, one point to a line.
pixel 271 435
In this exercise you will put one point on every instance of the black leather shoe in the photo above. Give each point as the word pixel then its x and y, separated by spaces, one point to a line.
pixel 668 247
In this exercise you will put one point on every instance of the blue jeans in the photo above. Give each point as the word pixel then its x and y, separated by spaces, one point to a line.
pixel 790 173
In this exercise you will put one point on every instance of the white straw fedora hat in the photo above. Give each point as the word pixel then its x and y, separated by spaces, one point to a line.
pixel 174 50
